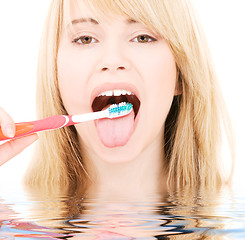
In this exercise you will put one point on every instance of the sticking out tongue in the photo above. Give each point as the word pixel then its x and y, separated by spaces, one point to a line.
pixel 115 132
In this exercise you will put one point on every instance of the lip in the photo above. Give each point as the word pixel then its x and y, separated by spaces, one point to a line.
pixel 113 86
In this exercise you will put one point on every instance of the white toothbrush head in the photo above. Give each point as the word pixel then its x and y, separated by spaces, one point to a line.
pixel 119 110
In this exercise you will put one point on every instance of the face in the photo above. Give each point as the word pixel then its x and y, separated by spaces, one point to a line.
pixel 110 60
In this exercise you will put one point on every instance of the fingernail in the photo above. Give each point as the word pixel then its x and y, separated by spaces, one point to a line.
pixel 10 131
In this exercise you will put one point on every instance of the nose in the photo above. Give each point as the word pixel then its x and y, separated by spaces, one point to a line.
pixel 113 59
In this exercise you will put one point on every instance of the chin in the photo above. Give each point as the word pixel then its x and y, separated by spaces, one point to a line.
pixel 94 148
pixel 120 154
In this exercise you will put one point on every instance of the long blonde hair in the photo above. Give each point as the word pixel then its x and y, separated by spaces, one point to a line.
pixel 192 129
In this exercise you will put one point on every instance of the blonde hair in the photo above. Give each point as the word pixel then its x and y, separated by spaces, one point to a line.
pixel 193 125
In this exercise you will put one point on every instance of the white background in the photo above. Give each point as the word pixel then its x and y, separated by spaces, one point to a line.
pixel 20 30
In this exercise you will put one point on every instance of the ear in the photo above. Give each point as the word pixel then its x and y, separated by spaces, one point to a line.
pixel 178 88
pixel 178 85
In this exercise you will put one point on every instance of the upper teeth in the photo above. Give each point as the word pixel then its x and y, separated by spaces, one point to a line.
pixel 115 93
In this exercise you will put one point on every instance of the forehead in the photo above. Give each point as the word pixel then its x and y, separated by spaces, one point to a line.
pixel 92 9
pixel 150 13
pixel 83 14
pixel 80 8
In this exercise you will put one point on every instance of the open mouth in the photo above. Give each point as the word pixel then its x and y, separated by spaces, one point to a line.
pixel 115 97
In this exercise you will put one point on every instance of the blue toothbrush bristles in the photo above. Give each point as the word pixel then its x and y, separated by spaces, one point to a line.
pixel 121 109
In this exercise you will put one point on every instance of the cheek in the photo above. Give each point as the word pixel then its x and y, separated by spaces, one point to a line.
pixel 160 84
pixel 164 87
pixel 161 80
pixel 72 75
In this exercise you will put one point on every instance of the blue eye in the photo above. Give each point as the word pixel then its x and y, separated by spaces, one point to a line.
pixel 144 39
pixel 84 40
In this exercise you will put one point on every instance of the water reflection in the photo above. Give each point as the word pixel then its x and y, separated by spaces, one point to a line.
pixel 73 217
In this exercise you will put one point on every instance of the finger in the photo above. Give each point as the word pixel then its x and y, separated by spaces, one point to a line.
pixel 11 148
pixel 7 124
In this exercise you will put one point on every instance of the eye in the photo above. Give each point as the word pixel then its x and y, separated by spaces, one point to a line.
pixel 144 39
pixel 84 40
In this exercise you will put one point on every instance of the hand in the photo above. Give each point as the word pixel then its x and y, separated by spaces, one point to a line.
pixel 11 148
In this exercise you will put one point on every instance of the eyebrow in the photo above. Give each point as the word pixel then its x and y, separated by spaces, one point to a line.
pixel 92 20
pixel 131 21
pixel 82 20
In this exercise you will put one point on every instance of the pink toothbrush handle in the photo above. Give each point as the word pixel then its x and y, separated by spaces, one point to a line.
pixel 49 123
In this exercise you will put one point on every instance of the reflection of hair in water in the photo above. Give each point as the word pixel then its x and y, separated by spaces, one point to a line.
pixel 192 130
pixel 189 216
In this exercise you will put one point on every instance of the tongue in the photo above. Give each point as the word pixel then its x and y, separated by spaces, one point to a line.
pixel 115 132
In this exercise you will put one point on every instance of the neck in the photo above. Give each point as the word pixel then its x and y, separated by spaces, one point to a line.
pixel 138 178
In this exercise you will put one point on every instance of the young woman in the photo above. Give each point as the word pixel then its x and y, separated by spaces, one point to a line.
pixel 151 53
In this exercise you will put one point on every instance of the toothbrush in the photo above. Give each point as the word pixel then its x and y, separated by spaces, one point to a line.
pixel 60 121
